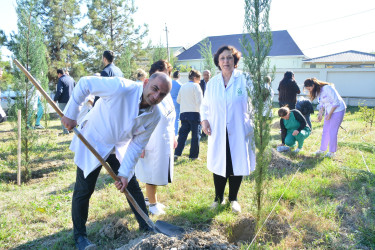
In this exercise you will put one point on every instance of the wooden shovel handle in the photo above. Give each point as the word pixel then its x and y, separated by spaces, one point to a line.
pixel 88 145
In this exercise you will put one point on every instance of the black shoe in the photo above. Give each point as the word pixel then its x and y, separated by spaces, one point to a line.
pixel 175 157
pixel 82 243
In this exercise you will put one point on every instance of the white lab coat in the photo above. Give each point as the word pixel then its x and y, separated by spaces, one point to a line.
pixel 158 162
pixel 229 108
pixel 113 125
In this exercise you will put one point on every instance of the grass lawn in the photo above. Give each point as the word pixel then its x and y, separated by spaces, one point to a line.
pixel 330 203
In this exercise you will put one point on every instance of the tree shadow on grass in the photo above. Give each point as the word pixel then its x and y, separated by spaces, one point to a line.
pixel 363 146
pixel 282 164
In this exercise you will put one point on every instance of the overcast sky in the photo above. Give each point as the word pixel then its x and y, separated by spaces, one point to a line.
pixel 319 27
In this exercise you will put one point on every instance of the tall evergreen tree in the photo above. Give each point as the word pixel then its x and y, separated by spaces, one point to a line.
pixel 60 18
pixel 29 49
pixel 111 27
pixel 205 49
pixel 257 65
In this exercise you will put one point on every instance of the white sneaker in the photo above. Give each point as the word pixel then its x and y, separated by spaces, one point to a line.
pixel 215 204
pixel 156 209
pixel 147 202
pixel 330 155
pixel 297 150
pixel 319 152
pixel 236 208
pixel 162 206
pixel 282 148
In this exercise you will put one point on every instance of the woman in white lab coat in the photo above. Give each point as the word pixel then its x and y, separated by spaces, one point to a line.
pixel 225 113
pixel 155 167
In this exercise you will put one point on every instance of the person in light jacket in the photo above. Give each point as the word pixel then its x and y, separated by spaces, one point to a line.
pixel 333 107
pixel 155 167
pixel 118 127
pixel 225 114
pixel 190 98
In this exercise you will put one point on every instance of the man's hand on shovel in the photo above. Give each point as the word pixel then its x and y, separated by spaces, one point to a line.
pixel 121 183
pixel 68 123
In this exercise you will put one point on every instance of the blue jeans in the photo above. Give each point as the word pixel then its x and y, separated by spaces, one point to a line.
pixel 190 121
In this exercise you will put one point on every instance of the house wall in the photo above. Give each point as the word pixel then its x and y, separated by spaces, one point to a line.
pixel 278 61
pixel 356 86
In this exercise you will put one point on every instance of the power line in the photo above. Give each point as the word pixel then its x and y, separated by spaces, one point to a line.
pixel 330 20
pixel 340 40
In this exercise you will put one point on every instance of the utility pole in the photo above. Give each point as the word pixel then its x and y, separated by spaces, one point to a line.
pixel 166 33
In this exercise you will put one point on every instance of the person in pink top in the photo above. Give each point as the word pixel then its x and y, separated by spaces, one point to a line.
pixel 333 107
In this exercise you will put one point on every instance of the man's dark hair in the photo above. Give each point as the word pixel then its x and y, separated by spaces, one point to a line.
pixel 176 74
pixel 160 65
pixel 109 55
pixel 60 71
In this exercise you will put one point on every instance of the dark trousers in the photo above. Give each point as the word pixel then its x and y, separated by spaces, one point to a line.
pixel 220 181
pixel 84 188
pixel 189 122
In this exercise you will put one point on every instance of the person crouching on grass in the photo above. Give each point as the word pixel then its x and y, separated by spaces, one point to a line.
pixel 293 128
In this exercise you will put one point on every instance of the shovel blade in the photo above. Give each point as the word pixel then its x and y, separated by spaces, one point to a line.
pixel 168 229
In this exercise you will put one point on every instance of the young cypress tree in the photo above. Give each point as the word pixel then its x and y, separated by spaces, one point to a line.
pixel 257 65
pixel 29 49
pixel 205 49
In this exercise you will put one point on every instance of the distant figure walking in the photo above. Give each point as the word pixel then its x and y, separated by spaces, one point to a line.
pixel 64 90
pixel 176 85
pixel 288 90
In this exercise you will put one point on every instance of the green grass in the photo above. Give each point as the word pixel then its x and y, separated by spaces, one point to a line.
pixel 329 204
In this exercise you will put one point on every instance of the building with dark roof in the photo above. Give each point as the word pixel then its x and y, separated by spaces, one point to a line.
pixel 346 59
pixel 284 52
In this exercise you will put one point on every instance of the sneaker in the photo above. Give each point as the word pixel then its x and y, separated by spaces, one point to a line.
pixel 215 204
pixel 330 155
pixel 161 205
pixel 147 202
pixel 319 152
pixel 236 208
pixel 297 150
pixel 39 127
pixel 155 209
pixel 82 243
pixel 282 149
pixel 175 157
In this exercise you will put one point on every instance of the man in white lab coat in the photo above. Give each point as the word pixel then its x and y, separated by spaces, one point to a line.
pixel 118 127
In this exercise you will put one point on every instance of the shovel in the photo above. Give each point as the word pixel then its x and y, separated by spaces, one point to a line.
pixel 158 227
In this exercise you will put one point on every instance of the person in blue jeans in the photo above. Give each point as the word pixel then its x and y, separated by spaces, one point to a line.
pixel 176 85
pixel 190 98
pixel 294 128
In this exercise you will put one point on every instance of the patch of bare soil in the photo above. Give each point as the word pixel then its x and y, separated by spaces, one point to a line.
pixel 279 161
pixel 242 231
pixel 190 240
pixel 275 125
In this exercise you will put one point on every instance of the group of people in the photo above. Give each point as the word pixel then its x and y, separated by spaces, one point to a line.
pixel 134 125
pixel 295 122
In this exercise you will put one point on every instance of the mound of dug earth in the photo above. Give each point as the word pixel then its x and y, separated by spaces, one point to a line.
pixel 192 240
